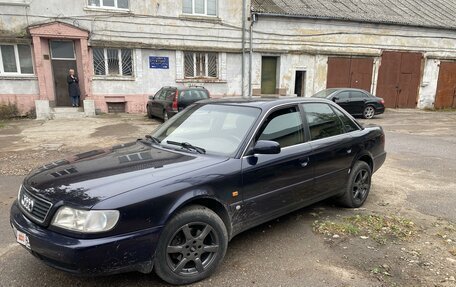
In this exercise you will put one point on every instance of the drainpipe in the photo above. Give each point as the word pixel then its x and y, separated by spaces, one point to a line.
pixel 252 21
pixel 243 48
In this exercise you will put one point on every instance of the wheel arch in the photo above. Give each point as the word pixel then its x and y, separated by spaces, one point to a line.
pixel 209 202
pixel 367 158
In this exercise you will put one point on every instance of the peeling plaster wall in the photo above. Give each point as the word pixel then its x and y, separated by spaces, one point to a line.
pixel 428 88
pixel 318 39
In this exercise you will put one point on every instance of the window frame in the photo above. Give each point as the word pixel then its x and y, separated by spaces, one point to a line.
pixel 365 95
pixel 206 63
pixel 119 57
pixel 17 61
pixel 205 9
pixel 115 7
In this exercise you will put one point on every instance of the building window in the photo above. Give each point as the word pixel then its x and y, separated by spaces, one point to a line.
pixel 200 65
pixel 200 7
pixel 116 4
pixel 15 59
pixel 112 62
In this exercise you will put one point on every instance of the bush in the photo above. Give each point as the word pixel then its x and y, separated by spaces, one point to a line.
pixel 8 111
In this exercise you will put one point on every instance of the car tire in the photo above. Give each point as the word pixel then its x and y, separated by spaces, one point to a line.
pixel 369 112
pixel 358 187
pixel 191 246
pixel 149 114
pixel 165 116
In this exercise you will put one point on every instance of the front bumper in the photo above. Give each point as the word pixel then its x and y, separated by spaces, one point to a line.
pixel 108 255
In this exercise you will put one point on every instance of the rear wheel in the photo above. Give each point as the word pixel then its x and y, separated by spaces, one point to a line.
pixel 359 184
pixel 191 246
pixel 369 112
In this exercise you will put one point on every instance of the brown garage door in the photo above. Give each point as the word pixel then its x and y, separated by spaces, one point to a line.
pixel 446 88
pixel 350 73
pixel 399 79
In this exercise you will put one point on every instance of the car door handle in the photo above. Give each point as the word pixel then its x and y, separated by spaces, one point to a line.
pixel 304 162
pixel 349 151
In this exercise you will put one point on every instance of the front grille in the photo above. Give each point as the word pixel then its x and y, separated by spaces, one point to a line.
pixel 40 208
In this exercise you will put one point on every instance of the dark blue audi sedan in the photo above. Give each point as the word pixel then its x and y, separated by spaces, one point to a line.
pixel 171 201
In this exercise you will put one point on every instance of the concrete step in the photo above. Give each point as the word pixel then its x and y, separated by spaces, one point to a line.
pixel 67 113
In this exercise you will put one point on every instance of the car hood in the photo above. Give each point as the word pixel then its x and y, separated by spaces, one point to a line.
pixel 85 179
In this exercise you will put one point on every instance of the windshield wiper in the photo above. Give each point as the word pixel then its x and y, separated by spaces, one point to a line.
pixel 154 139
pixel 188 146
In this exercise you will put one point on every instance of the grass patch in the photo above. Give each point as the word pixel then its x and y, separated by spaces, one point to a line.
pixel 2 125
pixel 380 228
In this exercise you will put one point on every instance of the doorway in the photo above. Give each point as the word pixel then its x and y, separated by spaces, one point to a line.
pixel 63 58
pixel 268 75
pixel 300 84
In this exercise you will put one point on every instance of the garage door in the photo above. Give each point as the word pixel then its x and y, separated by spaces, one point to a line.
pixel 350 73
pixel 399 79
pixel 446 88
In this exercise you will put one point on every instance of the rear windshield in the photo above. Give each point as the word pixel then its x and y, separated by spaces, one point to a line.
pixel 324 93
pixel 193 95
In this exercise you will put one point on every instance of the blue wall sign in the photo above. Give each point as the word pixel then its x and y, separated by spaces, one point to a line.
pixel 158 62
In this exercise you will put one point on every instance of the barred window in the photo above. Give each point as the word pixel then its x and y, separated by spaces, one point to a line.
pixel 112 62
pixel 200 65
pixel 15 59
pixel 200 7
pixel 119 4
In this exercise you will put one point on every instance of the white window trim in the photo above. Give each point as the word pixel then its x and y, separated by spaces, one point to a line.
pixel 18 64
pixel 180 70
pixel 102 7
pixel 206 63
pixel 205 10
pixel 119 56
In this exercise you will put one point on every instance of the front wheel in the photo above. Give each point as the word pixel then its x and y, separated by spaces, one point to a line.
pixel 191 246
pixel 369 112
pixel 359 184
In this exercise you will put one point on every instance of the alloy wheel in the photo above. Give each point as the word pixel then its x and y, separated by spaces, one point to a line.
pixel 192 249
pixel 361 185
pixel 369 112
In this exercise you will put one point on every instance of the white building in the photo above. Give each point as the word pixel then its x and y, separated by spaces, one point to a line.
pixel 125 50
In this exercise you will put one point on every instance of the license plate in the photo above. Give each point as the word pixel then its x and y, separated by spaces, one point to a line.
pixel 23 239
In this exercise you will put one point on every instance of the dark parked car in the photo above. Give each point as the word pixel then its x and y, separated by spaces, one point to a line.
pixel 168 101
pixel 172 200
pixel 356 102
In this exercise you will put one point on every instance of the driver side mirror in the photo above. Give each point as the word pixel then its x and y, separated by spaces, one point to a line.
pixel 335 99
pixel 266 147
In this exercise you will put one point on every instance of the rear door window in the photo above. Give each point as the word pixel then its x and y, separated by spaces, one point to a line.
pixel 349 125
pixel 358 95
pixel 322 121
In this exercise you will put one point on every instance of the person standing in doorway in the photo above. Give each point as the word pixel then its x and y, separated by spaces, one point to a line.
pixel 73 88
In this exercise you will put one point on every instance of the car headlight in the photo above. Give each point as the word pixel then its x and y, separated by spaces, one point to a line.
pixel 87 221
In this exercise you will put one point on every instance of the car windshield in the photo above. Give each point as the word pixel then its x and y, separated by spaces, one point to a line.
pixel 218 129
pixel 324 94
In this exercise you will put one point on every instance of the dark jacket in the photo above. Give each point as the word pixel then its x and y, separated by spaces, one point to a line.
pixel 73 86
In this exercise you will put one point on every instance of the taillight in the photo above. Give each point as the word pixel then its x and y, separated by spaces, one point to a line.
pixel 175 101
pixel 382 101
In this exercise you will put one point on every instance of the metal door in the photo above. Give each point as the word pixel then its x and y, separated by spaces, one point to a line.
pixel 350 73
pixel 446 88
pixel 399 79
pixel 268 75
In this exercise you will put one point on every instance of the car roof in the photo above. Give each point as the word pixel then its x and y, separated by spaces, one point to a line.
pixel 264 103
pixel 347 89
pixel 186 88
